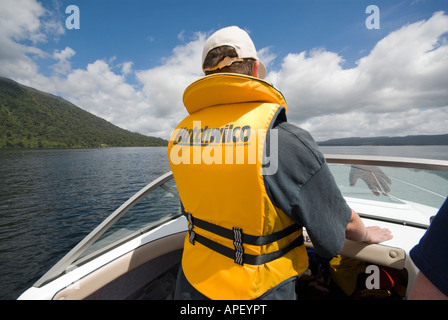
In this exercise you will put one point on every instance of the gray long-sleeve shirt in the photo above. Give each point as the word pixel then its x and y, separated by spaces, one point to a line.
pixel 304 189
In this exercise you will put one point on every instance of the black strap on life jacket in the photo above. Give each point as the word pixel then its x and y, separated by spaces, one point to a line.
pixel 239 238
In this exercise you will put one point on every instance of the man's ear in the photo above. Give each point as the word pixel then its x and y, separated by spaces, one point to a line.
pixel 255 68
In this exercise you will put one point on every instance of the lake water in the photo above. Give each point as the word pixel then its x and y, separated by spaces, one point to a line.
pixel 51 199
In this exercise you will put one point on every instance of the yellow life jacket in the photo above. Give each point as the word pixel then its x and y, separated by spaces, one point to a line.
pixel 239 244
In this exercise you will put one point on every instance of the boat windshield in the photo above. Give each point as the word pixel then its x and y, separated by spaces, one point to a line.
pixel 155 208
pixel 152 206
pixel 407 191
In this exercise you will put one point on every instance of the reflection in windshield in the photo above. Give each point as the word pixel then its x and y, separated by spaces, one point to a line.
pixel 392 184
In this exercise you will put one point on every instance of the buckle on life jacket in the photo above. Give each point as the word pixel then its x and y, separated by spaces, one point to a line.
pixel 238 244
pixel 192 234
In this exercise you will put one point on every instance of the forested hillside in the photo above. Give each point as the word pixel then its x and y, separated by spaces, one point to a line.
pixel 34 119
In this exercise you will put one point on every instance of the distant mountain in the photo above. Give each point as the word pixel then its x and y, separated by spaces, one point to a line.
pixel 418 140
pixel 30 118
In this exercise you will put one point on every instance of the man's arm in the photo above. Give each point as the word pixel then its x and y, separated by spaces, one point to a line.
pixel 357 231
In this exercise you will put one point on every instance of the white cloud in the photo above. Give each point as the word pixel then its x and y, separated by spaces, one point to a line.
pixel 24 20
pixel 126 68
pixel 101 91
pixel 398 88
pixel 63 66
pixel 21 19
pixel 97 88
pixel 164 85
pixel 355 123
pixel 405 74
pixel 153 109
pixel 266 56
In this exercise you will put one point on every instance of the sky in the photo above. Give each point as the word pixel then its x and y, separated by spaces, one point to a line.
pixel 345 70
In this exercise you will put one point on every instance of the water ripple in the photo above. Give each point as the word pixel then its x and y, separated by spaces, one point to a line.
pixel 51 199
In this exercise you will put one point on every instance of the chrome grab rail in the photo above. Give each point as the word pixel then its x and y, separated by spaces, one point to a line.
pixel 400 162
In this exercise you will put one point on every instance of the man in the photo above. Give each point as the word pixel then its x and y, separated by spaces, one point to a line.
pixel 245 219
pixel 430 256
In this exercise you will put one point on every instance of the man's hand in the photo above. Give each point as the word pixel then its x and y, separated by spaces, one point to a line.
pixel 377 235
pixel 374 177
pixel 356 231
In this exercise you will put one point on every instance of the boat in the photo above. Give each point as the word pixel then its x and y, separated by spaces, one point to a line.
pixel 135 253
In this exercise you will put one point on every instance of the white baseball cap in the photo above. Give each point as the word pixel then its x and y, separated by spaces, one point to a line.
pixel 237 39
